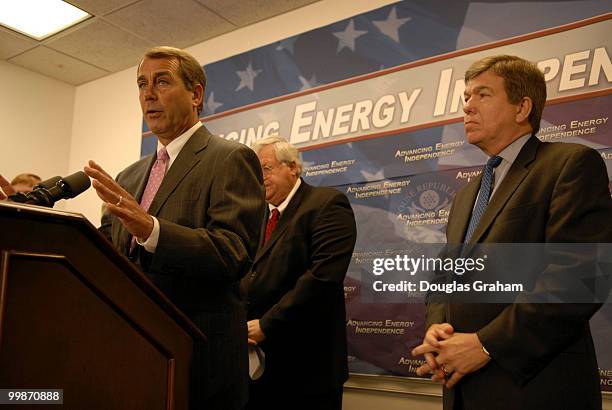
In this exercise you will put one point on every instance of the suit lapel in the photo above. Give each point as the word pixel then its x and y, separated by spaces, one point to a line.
pixel 464 202
pixel 285 219
pixel 144 178
pixel 516 174
pixel 181 166
pixel 262 232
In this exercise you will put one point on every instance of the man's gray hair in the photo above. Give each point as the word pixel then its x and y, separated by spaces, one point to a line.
pixel 284 151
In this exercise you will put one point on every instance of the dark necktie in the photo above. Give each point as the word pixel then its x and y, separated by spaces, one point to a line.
pixel 272 221
pixel 486 187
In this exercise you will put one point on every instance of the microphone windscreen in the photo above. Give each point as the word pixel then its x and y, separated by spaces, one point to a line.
pixel 75 184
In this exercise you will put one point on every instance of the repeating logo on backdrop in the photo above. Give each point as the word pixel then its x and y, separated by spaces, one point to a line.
pixel 429 199
pixel 424 209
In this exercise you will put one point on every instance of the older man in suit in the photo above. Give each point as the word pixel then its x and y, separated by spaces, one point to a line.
pixel 190 217
pixel 295 289
pixel 521 355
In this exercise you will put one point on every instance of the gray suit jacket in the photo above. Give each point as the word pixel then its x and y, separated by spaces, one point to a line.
pixel 543 354
pixel 209 206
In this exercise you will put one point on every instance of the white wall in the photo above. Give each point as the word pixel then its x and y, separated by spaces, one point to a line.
pixel 106 129
pixel 107 120
pixel 35 123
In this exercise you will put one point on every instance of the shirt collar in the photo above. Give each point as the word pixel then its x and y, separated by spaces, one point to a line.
pixel 175 146
pixel 510 153
pixel 283 205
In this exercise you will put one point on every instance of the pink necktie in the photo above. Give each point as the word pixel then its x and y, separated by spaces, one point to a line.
pixel 156 177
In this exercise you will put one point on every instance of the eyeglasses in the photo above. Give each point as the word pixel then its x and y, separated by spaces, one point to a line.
pixel 267 169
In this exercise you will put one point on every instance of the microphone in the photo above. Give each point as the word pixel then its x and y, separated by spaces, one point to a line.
pixel 48 183
pixel 53 189
pixel 22 197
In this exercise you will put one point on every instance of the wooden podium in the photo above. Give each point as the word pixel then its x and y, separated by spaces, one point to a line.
pixel 75 315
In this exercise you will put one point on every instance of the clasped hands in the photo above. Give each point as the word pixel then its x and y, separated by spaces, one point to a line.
pixel 120 203
pixel 449 355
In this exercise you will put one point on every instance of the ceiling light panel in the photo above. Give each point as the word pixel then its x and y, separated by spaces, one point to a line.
pixel 39 19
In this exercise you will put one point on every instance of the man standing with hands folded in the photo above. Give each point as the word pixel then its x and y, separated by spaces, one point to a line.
pixel 184 218
pixel 522 355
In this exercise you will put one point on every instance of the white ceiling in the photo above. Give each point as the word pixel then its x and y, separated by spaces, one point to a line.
pixel 120 31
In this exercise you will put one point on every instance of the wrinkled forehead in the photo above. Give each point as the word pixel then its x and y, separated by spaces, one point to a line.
pixel 150 65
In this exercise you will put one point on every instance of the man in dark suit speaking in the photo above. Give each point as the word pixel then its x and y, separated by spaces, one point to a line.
pixel 295 289
pixel 190 217
pixel 521 355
